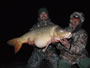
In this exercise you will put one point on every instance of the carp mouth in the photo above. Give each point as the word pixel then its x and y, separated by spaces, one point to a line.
pixel 69 35
pixel 65 36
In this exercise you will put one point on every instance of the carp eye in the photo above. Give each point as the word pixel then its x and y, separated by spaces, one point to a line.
pixel 61 31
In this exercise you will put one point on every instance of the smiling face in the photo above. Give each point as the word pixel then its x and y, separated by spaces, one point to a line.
pixel 43 16
pixel 75 23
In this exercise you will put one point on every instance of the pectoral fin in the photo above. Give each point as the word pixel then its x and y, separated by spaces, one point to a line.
pixel 46 46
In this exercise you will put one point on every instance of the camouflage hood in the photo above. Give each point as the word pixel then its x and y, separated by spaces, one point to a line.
pixel 79 16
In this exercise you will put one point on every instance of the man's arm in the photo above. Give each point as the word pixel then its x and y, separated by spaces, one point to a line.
pixel 77 46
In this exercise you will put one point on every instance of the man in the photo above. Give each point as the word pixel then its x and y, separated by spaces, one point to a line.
pixel 38 55
pixel 76 55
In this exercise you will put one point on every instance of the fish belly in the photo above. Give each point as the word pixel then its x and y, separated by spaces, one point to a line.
pixel 42 42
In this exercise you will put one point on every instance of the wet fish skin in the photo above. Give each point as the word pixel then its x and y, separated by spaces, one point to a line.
pixel 40 37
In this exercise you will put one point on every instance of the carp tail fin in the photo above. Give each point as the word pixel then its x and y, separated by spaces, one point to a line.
pixel 16 43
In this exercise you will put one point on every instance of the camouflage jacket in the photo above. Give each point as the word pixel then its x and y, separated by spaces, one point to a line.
pixel 77 50
pixel 42 23
pixel 51 48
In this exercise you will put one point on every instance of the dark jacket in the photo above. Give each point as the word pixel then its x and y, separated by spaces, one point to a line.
pixel 78 46
pixel 38 55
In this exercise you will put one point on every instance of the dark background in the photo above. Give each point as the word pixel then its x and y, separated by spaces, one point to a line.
pixel 21 15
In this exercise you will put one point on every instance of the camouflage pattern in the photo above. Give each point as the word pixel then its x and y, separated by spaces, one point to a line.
pixel 78 44
pixel 77 54
pixel 41 23
pixel 38 55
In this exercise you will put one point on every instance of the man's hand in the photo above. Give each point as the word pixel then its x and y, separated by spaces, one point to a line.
pixel 65 43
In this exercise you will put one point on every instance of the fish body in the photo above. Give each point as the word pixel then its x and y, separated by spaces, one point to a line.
pixel 40 37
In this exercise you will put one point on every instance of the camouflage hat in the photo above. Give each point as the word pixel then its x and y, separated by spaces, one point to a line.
pixel 78 15
pixel 42 10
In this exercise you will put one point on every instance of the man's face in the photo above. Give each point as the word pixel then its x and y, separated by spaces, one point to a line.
pixel 75 22
pixel 43 16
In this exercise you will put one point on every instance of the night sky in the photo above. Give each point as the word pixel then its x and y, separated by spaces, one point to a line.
pixel 22 15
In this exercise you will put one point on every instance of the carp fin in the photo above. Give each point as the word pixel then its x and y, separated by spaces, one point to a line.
pixel 16 43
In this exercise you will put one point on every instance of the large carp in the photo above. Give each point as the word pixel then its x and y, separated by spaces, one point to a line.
pixel 40 37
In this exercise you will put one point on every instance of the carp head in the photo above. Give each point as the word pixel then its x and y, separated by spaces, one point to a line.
pixel 62 33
